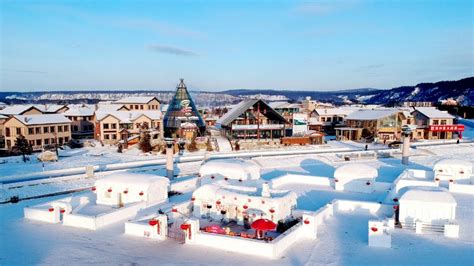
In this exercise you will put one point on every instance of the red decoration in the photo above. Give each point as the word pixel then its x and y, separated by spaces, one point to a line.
pixel 272 211
pixel 125 192
pixel 395 207
pixel 193 199
pixel 174 210
pixel 153 222
pixel 436 179
pixel 246 207
pixel 336 180
pixel 212 177
pixel 93 188
pixel 263 224
pixel 374 229
pixel 185 226
pixel 446 128
pixel 51 209
pixel 225 178
pixel 141 193
pixel 395 199
pixel 451 181
pixel 263 202
pixel 109 190
pixel 461 172
pixel 218 202
pixel 240 180
pixel 62 211
pixel 306 221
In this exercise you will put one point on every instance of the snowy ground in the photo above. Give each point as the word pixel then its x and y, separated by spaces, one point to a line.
pixel 341 241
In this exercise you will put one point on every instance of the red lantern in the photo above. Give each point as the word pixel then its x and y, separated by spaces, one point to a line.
pixel 185 226
pixel 218 202
pixel 225 178
pixel 174 210
pixel 62 211
pixel 395 199
pixel 451 181
pixel 240 180
pixel 125 192
pixel 109 190
pixel 153 222
pixel 93 188
pixel 212 177
pixel 374 229
pixel 141 193
pixel 246 207
pixel 51 209
pixel 461 172
pixel 336 180
pixel 193 199
pixel 272 211
pixel 395 207
pixel 263 202
pixel 306 221
pixel 436 179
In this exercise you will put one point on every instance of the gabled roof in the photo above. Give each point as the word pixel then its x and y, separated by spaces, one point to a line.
pixel 433 112
pixel 85 110
pixel 371 114
pixel 43 119
pixel 109 107
pixel 334 111
pixel 18 109
pixel 137 99
pixel 240 108
pixel 50 108
pixel 129 116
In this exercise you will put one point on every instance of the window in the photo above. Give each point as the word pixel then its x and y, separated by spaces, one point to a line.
pixel 114 126
pixel 75 128
pixel 66 139
pixel 66 128
pixel 114 136
pixel 31 142
pixel 37 130
pixel 136 106
pixel 52 129
pixel 53 141
pixel 45 129
pixel 38 142
pixel 141 107
pixel 435 122
pixel 443 122
pixel 60 129
pixel 60 140
pixel 106 126
pixel 46 141
pixel 31 131
pixel 434 134
pixel 7 131
pixel 106 136
pixel 18 130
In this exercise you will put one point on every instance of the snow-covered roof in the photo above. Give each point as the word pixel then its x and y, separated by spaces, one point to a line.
pixel 108 107
pixel 334 111
pixel 433 112
pixel 49 108
pixel 283 104
pixel 355 171
pixel 137 99
pixel 129 116
pixel 241 107
pixel 231 168
pixel 428 196
pixel 17 109
pixel 128 180
pixel 86 110
pixel 454 163
pixel 3 117
pixel 42 119
pixel 371 114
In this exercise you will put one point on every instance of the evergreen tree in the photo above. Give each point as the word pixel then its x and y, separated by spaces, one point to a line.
pixel 145 143
pixel 22 146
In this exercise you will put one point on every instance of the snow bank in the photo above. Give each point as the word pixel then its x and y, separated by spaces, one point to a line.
pixel 237 169
pixel 447 169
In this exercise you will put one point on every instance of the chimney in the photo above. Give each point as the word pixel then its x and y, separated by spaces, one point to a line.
pixel 266 190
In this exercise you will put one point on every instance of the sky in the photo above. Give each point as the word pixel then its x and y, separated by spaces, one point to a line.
pixel 219 45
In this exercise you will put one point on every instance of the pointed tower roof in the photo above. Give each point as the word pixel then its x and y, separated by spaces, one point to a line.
pixel 182 110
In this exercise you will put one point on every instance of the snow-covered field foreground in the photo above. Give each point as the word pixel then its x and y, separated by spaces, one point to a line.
pixel 342 239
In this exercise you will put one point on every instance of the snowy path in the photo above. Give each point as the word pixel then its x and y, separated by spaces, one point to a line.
pixel 224 144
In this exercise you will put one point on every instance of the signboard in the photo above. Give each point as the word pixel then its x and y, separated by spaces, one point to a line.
pixel 300 124
pixel 446 128
pixel 255 127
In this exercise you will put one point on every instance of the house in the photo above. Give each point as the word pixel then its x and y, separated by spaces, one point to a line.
pixel 380 124
pixel 3 119
pixel 39 130
pixel 432 123
pixel 140 103
pixel 244 205
pixel 12 110
pixel 252 119
pixel 112 127
pixel 286 109
pixel 182 119
pixel 326 119
pixel 82 118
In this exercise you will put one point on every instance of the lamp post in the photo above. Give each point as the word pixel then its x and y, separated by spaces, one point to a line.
pixel 406 133
pixel 169 158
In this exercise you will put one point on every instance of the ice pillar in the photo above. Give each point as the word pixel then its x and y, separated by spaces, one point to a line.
pixel 169 159
pixel 406 149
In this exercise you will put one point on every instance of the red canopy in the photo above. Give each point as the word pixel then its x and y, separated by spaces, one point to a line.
pixel 263 224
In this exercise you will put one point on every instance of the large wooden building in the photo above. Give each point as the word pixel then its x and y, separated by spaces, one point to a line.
pixel 252 119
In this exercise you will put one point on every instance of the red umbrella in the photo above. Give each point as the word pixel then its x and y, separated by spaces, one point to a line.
pixel 261 225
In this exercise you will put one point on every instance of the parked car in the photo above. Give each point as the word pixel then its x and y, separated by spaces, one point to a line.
pixel 395 144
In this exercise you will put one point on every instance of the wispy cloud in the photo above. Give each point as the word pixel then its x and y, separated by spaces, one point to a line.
pixel 157 26
pixel 167 49
pixel 23 71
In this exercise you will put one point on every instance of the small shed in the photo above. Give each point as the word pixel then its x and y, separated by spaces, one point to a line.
pixel 122 188
pixel 236 169
pixel 431 206
pixel 451 169
pixel 355 177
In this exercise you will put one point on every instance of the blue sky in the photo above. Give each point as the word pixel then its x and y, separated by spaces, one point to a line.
pixel 216 45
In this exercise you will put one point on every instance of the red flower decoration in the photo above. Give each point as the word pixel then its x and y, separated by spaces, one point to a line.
pixel 374 229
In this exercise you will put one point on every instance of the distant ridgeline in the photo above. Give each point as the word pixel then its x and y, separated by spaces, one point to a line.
pixel 462 91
